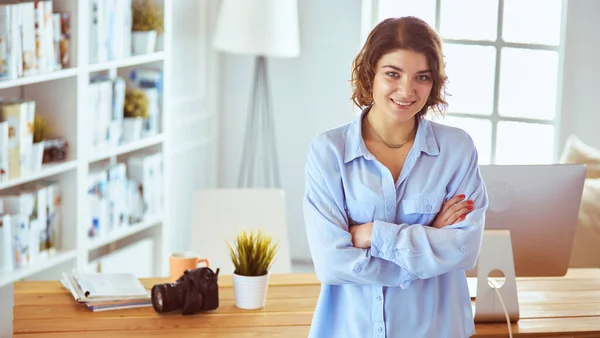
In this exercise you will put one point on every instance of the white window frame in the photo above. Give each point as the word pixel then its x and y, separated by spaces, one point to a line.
pixel 369 19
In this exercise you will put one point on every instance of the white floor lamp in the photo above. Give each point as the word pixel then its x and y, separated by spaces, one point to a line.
pixel 263 28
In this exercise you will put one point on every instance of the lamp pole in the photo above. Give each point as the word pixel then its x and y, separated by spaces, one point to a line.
pixel 259 153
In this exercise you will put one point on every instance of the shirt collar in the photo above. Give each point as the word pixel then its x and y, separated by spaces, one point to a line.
pixel 425 140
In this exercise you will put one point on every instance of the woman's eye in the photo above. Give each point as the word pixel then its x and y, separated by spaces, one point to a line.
pixel 392 74
pixel 423 78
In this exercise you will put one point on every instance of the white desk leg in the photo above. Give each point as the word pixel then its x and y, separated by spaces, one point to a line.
pixel 6 311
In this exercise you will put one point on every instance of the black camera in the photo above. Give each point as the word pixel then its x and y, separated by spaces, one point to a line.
pixel 195 291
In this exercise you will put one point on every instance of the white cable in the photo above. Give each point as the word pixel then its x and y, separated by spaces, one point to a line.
pixel 494 285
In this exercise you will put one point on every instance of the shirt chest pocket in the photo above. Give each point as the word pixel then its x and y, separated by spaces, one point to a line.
pixel 422 208
pixel 359 212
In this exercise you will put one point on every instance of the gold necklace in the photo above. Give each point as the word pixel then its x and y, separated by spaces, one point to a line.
pixel 389 145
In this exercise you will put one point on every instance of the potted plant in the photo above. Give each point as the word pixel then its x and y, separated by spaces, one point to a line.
pixel 147 24
pixel 135 111
pixel 253 254
pixel 40 130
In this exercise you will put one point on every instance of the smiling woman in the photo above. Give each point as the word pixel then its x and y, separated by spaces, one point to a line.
pixel 395 204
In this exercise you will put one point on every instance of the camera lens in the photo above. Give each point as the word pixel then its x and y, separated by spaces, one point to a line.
pixel 159 301
pixel 167 297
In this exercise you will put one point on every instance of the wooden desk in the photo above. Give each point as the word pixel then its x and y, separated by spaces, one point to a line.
pixel 550 307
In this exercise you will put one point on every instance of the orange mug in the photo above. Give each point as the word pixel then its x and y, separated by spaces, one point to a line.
pixel 179 262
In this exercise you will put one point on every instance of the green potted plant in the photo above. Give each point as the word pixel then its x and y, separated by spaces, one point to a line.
pixel 147 25
pixel 40 130
pixel 253 254
pixel 135 111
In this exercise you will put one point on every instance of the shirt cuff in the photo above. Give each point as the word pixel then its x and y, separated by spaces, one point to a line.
pixel 383 245
pixel 383 238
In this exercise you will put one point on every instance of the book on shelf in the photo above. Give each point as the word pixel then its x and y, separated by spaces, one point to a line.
pixel 7 260
pixel 30 223
pixel 106 291
pixel 19 115
pixel 123 194
pixel 19 155
pixel 108 97
pixel 146 171
pixel 4 151
pixel 106 103
pixel 33 38
pixel 110 30
pixel 109 201
pixel 100 111
pixel 149 82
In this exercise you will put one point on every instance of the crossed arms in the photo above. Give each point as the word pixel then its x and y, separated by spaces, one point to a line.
pixel 384 253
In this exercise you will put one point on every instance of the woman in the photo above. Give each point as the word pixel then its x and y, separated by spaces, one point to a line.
pixel 394 205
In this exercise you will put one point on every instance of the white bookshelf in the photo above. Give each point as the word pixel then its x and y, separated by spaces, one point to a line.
pixel 63 96
pixel 130 61
pixel 128 148
pixel 39 78
pixel 124 233
pixel 48 170
pixel 10 277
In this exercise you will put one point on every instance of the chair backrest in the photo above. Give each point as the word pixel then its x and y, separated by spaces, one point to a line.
pixel 218 215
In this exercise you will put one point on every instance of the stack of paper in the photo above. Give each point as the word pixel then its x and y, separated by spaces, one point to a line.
pixel 106 291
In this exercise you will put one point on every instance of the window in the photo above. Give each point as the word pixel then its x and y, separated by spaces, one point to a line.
pixel 503 63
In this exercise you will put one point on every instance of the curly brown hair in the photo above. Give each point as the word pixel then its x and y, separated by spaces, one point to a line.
pixel 400 33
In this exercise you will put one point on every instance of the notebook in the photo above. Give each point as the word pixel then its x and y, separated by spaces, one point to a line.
pixel 104 287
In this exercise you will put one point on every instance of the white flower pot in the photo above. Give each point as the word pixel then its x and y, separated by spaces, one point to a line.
pixel 37 156
pixel 132 129
pixel 143 42
pixel 160 42
pixel 250 291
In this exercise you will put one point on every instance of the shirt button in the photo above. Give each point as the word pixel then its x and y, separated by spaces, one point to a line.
pixel 378 298
pixel 390 207
pixel 463 249
pixel 380 330
pixel 357 268
pixel 428 208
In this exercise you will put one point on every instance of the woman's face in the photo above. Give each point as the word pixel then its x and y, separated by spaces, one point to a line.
pixel 402 84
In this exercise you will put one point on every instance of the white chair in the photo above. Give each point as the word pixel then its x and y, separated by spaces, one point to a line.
pixel 219 214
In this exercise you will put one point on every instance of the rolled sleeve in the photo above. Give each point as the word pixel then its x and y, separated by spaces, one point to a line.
pixel 384 238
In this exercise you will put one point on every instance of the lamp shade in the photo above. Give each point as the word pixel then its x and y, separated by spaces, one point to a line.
pixel 258 27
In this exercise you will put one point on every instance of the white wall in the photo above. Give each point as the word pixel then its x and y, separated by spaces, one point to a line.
pixel 310 93
pixel 581 81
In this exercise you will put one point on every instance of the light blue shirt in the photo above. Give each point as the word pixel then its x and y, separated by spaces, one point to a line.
pixel 411 282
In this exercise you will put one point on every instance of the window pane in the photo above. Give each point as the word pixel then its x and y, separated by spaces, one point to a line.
pixel 471 71
pixel 424 9
pixel 480 131
pixel 524 143
pixel 458 22
pixel 528 83
pixel 532 21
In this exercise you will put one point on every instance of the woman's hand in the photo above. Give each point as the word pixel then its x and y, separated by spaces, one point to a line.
pixel 361 235
pixel 453 211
